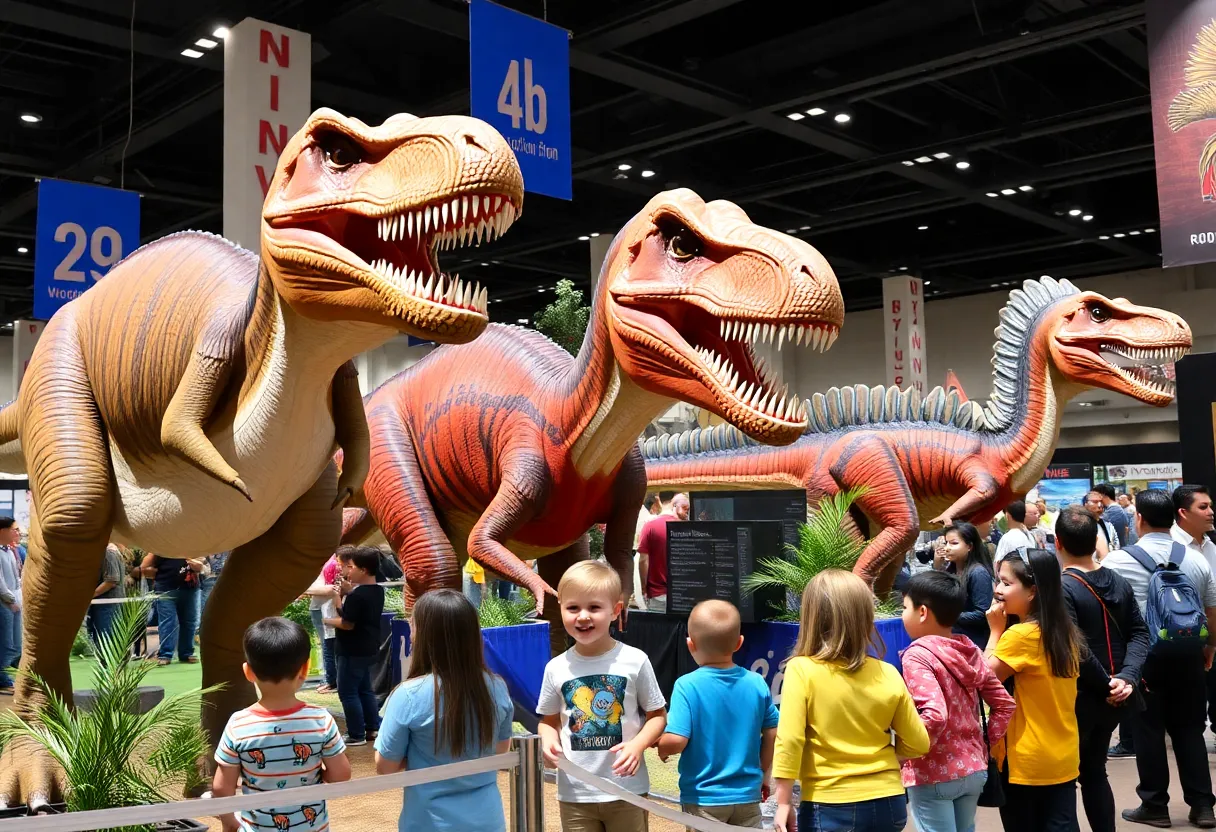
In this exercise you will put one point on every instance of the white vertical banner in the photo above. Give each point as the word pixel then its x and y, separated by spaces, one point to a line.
pixel 267 99
pixel 599 253
pixel 904 327
pixel 25 338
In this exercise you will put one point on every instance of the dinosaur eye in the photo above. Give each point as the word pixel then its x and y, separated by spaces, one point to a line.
pixel 683 244
pixel 1098 313
pixel 340 152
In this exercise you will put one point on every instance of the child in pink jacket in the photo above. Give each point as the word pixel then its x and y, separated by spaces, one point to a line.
pixel 945 674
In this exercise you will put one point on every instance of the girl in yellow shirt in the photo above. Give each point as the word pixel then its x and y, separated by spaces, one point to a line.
pixel 839 707
pixel 1042 654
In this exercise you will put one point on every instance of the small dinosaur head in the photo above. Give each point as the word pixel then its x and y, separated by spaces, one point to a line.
pixel 355 214
pixel 1112 344
pixel 693 286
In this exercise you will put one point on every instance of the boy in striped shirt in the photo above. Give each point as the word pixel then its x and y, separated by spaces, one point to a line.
pixel 281 742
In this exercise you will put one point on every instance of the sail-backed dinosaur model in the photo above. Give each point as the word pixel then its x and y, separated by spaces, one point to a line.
pixel 942 457
pixel 508 449
pixel 191 402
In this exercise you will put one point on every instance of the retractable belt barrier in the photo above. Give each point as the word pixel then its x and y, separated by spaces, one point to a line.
pixel 525 814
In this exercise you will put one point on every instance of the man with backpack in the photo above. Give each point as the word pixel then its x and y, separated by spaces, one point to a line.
pixel 1176 592
pixel 1192 522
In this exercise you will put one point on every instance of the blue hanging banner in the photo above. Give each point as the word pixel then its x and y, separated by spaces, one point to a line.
pixel 82 231
pixel 519 78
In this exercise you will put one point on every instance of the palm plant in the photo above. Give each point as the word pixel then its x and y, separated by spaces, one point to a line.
pixel 828 540
pixel 111 755
pixel 501 612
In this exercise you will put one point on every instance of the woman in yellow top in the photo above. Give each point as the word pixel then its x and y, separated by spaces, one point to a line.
pixel 838 709
pixel 1042 654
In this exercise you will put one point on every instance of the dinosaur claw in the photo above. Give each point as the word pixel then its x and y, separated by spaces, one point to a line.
pixel 239 485
pixel 345 493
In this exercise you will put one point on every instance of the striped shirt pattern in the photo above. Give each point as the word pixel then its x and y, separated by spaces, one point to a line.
pixel 280 750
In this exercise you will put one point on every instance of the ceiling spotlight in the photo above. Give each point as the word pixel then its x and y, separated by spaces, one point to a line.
pixel 795 116
pixel 206 43
pixel 962 164
pixel 903 268
pixel 816 111
pixel 993 194
pixel 842 118
pixel 521 320
pixel 541 289
pixel 1025 188
pixel 31 118
pixel 646 174
pixel 1150 231
pixel 924 160
pixel 1074 212
pixel 1085 404
pixel 922 228
pixel 928 282
pixel 22 250
pixel 909 162
pixel 594 234
pixel 791 230
pixel 1133 233
pixel 1086 217
pixel 220 32
pixel 804 228
pixel 485 264
pixel 941 155
pixel 584 238
pixel 1008 191
pixel 1104 237
pixel 1120 236
pixel 192 53
pixel 624 166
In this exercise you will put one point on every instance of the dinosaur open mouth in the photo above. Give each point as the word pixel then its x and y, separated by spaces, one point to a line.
pixel 398 250
pixel 724 348
pixel 1148 370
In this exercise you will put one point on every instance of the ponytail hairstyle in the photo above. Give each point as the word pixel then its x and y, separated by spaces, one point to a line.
pixel 979 557
pixel 1062 641
pixel 447 647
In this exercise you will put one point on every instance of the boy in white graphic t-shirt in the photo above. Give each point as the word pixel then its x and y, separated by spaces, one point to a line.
pixel 600 705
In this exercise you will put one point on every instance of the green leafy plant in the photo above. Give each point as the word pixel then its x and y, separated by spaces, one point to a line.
pixel 564 320
pixel 596 542
pixel 502 612
pixel 828 540
pixel 394 602
pixel 112 756
pixel 82 648
pixel 299 612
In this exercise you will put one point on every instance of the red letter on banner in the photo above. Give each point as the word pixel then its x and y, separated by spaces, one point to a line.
pixel 265 134
pixel 282 50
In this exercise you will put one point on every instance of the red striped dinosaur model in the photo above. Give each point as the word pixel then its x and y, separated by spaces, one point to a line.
pixel 509 449
pixel 942 457
pixel 191 402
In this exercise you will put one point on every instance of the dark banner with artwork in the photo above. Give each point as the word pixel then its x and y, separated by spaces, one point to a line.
pixel 1182 69
pixel 1196 411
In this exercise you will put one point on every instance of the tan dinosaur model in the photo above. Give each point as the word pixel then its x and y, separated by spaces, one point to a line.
pixel 191 402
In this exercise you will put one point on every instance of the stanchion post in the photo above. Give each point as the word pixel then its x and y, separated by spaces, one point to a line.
pixel 527 786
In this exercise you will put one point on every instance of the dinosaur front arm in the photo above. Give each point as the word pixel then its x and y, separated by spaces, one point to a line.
pixel 981 488
pixel 181 430
pixel 520 496
pixel 350 432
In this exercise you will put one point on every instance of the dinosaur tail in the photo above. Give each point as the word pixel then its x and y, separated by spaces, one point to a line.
pixel 716 459
pixel 12 460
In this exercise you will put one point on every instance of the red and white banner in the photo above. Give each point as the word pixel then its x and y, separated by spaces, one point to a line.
pixel 267 98
pixel 903 313
pixel 1182 75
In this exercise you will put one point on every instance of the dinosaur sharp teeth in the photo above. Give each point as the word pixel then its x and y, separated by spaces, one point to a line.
pixel 832 334
pixel 475 203
pixel 444 213
pixel 468 296
pixel 780 337
pixel 427 289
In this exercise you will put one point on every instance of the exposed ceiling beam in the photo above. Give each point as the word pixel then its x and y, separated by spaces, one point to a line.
pixel 646 21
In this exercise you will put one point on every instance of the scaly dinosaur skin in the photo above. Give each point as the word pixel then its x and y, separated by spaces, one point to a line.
pixel 945 458
pixel 191 402
pixel 508 449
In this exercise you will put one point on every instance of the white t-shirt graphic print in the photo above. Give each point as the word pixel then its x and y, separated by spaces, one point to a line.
pixel 602 702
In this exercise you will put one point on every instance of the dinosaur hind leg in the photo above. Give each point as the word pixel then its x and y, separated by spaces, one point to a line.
pixel 397 497
pixel 260 579
pixel 73 498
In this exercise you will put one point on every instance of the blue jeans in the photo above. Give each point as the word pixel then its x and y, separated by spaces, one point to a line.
pixel 327 649
pixel 355 691
pixel 885 814
pixel 176 622
pixel 947 807
pixel 99 620
pixel 205 587
pixel 10 643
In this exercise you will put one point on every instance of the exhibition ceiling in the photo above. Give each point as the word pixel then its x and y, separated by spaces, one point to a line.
pixel 975 142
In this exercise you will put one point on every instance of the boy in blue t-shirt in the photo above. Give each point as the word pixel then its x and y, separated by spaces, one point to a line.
pixel 722 723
